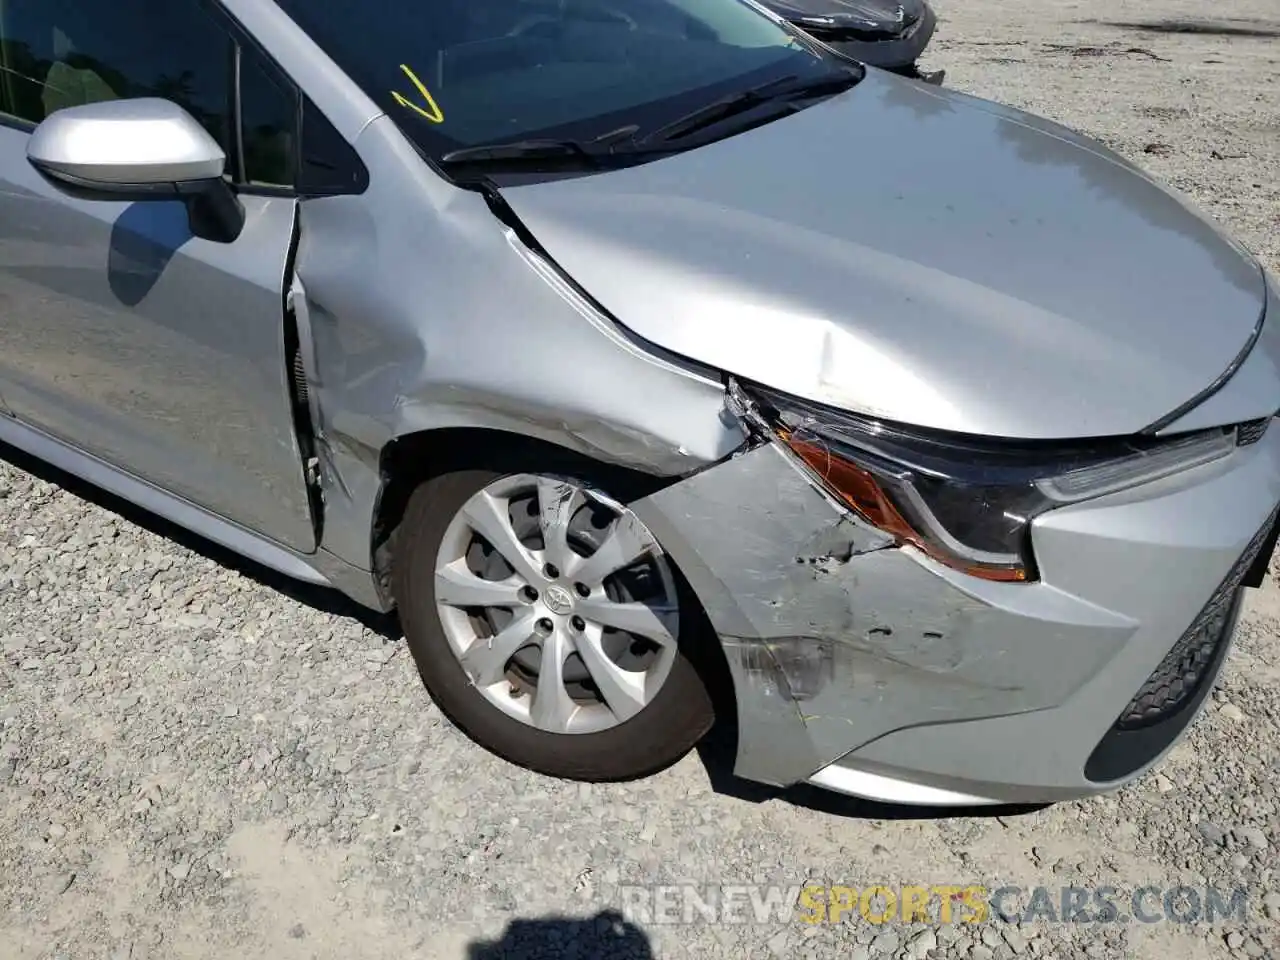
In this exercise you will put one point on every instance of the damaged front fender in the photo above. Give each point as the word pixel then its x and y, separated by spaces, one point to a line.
pixel 424 311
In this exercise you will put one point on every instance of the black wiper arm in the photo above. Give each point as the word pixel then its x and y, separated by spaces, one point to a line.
pixel 714 112
pixel 579 154
pixel 542 151
pixel 534 150
pixel 785 88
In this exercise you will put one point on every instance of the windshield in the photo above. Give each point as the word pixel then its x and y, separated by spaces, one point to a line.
pixel 463 73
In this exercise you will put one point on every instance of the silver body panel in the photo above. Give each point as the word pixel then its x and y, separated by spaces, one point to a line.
pixel 151 349
pixel 981 271
pixel 977 270
pixel 845 649
pixel 1251 390
pixel 396 347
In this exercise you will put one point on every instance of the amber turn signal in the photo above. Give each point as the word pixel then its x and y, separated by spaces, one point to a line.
pixel 864 493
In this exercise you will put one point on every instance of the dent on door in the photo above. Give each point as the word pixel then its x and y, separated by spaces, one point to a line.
pixel 153 350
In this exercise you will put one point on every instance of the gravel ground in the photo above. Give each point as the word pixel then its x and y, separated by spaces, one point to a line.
pixel 200 760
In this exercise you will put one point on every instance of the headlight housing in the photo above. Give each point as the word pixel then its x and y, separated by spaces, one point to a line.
pixel 965 501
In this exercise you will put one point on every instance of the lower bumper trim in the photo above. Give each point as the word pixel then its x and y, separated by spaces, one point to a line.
pixel 1125 750
pixel 874 786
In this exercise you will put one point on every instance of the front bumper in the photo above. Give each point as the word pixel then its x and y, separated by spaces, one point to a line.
pixel 867 668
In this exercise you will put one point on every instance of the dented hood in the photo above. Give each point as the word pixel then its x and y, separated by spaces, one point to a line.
pixel 918 255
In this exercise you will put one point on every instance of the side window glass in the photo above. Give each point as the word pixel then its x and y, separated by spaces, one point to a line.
pixel 329 165
pixel 268 123
pixel 64 53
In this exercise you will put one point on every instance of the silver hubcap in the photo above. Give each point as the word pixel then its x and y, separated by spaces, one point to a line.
pixel 558 603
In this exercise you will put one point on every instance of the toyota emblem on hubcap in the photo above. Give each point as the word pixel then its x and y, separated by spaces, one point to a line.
pixel 558 600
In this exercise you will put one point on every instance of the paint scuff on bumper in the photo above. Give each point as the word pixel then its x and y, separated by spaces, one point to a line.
pixel 835 636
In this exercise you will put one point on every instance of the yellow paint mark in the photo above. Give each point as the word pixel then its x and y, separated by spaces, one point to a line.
pixel 432 110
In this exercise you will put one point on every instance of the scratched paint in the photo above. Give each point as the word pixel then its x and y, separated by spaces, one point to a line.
pixel 834 635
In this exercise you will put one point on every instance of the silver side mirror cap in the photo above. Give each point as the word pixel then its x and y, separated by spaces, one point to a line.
pixel 139 150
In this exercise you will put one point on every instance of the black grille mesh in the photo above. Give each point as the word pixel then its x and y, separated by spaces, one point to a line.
pixel 1251 431
pixel 1182 671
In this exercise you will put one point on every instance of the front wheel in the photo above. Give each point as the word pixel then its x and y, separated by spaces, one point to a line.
pixel 547 623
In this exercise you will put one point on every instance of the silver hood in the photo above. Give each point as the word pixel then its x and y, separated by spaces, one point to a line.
pixel 919 255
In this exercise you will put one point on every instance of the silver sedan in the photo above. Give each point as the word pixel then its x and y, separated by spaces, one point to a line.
pixel 659 365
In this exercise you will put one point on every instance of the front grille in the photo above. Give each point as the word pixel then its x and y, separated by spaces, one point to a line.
pixel 1251 431
pixel 1183 669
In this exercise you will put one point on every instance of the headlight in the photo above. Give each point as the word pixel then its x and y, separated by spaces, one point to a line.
pixel 964 501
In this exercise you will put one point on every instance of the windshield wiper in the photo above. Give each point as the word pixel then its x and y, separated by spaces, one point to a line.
pixel 571 152
pixel 595 153
pixel 785 89
pixel 539 150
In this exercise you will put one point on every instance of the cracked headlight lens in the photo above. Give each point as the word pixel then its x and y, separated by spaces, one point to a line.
pixel 965 501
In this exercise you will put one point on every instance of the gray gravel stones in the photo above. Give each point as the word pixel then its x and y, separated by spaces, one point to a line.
pixel 1212 833
pixel 199 763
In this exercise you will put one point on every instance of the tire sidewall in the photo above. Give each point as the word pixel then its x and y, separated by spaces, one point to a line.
pixel 666 729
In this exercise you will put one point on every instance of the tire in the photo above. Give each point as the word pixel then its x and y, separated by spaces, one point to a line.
pixel 667 727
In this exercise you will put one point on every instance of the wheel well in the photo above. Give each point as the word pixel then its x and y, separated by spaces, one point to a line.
pixel 409 461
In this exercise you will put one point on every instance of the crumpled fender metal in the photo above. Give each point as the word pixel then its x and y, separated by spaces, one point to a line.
pixel 835 636
pixel 424 312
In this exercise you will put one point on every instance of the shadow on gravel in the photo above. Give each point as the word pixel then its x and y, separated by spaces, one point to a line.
pixel 606 936
pixel 320 598
pixel 717 751
pixel 1211 28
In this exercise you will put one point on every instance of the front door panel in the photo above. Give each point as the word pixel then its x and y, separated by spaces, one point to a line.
pixel 160 353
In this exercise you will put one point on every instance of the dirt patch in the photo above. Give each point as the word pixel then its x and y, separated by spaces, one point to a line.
pixel 1210 28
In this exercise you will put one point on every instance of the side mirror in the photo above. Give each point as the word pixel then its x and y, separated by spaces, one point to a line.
pixel 139 150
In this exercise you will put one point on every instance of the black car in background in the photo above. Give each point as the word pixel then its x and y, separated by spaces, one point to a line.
pixel 884 33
